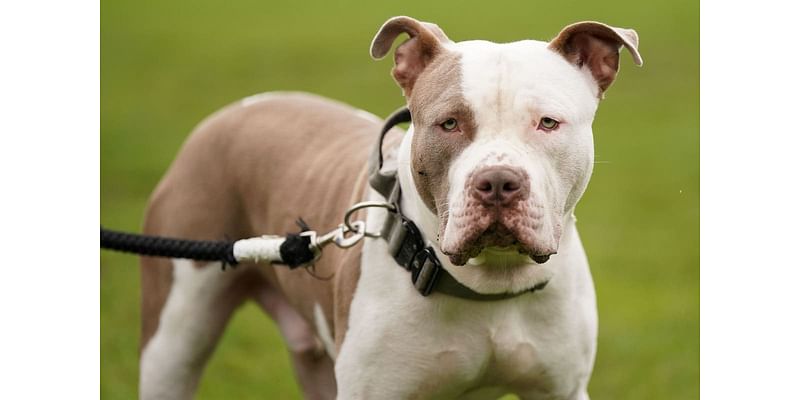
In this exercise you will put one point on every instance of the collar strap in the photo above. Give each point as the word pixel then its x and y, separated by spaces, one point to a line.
pixel 384 181
pixel 405 241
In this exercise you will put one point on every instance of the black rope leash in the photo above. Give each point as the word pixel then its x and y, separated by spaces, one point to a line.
pixel 159 246
pixel 294 251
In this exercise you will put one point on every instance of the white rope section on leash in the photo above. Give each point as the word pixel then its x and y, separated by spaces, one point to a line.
pixel 259 249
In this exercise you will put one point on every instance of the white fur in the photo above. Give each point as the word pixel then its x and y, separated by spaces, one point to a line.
pixel 511 87
pixel 323 331
pixel 167 370
pixel 402 345
pixel 257 98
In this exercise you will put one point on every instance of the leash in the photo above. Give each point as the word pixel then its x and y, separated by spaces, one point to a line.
pixel 406 244
pixel 294 250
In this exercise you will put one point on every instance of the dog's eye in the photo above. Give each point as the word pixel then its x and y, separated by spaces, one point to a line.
pixel 451 125
pixel 548 124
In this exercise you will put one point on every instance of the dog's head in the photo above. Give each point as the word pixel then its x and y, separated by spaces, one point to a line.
pixel 502 146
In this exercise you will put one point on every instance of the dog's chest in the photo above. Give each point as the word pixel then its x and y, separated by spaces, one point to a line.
pixel 522 351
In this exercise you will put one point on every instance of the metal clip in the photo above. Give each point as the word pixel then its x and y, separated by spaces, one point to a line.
pixel 338 236
pixel 346 242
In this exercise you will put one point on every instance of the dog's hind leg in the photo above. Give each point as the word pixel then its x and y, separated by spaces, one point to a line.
pixel 313 366
pixel 200 302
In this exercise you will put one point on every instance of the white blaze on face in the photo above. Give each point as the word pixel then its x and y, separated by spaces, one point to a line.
pixel 510 88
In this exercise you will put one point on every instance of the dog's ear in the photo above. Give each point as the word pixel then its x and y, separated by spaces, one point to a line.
pixel 596 45
pixel 410 58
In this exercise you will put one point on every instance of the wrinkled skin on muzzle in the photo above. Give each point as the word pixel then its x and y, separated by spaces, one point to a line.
pixel 529 223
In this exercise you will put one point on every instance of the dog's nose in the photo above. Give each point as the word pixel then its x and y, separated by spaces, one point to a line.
pixel 497 186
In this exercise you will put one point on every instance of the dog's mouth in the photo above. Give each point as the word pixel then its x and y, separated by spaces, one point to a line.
pixel 506 256
pixel 497 245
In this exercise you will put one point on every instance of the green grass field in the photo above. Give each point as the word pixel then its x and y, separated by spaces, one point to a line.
pixel 167 64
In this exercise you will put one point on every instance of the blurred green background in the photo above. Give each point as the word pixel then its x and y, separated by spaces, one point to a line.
pixel 165 65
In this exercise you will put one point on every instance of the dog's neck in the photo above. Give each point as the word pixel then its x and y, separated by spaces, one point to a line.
pixel 484 279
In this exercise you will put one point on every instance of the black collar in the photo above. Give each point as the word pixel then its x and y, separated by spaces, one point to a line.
pixel 406 244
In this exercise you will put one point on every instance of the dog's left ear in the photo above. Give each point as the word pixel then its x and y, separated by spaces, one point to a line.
pixel 596 45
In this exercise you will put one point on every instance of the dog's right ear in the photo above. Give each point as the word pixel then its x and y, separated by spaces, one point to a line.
pixel 410 58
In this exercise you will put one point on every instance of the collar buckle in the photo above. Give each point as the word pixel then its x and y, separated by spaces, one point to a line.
pixel 425 270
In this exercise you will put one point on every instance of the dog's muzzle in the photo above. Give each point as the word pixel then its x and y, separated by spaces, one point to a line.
pixel 498 213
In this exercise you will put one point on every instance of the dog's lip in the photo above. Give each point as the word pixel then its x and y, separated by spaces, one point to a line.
pixel 510 253
pixel 501 245
pixel 541 259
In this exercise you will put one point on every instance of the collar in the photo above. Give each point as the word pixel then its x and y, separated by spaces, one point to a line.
pixel 406 244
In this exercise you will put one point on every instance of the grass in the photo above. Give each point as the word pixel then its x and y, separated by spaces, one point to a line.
pixel 167 64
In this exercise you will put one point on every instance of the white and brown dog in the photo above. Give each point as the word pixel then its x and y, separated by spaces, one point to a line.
pixel 498 154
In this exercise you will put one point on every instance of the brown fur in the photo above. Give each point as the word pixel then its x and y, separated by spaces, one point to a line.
pixel 253 170
pixel 435 148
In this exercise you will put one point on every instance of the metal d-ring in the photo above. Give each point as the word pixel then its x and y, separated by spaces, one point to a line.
pixel 366 204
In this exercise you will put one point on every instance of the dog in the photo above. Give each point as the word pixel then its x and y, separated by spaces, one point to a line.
pixel 497 156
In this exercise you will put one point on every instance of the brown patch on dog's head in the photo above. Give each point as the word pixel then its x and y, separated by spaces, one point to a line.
pixel 430 76
pixel 438 99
